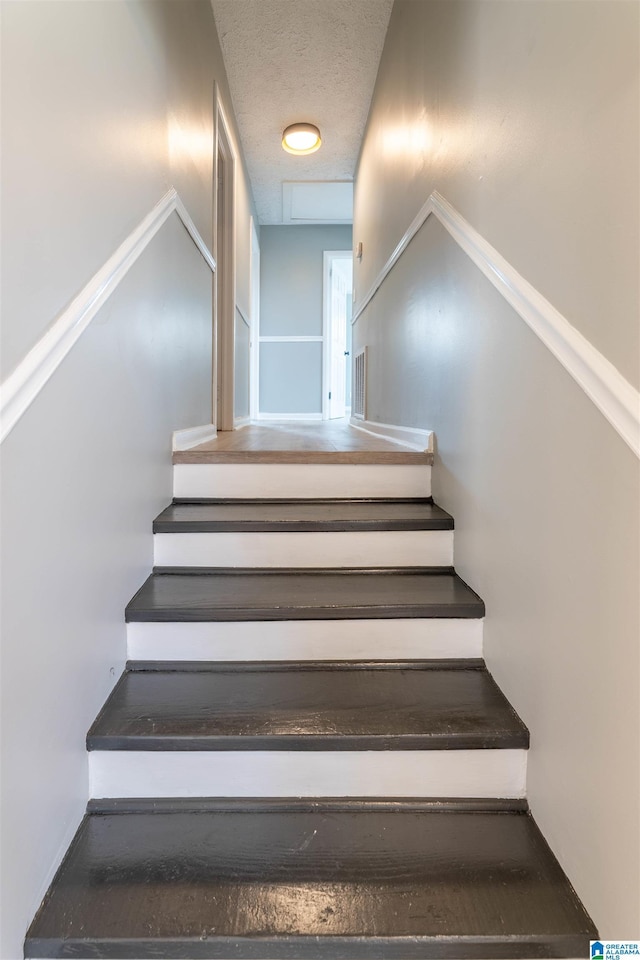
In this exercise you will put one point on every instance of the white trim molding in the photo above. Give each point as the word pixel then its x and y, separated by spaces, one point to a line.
pixel 243 316
pixel 193 436
pixel 290 416
pixel 224 238
pixel 22 386
pixel 254 299
pixel 603 383
pixel 412 437
pixel 291 339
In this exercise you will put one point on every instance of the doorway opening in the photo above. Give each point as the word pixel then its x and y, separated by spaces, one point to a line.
pixel 224 325
pixel 337 310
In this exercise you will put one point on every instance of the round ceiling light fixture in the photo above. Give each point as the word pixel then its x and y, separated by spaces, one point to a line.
pixel 301 139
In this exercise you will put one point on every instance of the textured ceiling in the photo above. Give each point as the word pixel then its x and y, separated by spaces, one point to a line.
pixel 293 60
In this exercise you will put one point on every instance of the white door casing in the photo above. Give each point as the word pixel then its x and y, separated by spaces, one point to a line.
pixel 224 238
pixel 254 375
pixel 337 269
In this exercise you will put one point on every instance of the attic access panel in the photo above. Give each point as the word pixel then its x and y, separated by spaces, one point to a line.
pixel 317 201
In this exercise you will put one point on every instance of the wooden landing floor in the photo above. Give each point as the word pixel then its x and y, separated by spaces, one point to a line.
pixel 329 441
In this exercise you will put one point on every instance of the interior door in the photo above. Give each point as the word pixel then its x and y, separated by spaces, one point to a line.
pixel 339 291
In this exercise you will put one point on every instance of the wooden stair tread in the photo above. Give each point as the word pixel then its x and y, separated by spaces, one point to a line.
pixel 235 594
pixel 320 879
pixel 308 707
pixel 301 515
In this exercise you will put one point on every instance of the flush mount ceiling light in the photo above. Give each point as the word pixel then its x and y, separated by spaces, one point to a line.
pixel 301 139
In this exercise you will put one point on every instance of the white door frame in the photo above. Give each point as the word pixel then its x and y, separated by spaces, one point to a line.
pixel 328 256
pixel 254 353
pixel 225 281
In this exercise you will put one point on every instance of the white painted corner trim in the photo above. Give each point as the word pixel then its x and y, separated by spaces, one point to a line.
pixel 412 437
pixel 603 383
pixel 245 319
pixel 22 386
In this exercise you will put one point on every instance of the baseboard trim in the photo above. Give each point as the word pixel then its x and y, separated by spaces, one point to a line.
pixel 412 437
pixel 193 436
pixel 290 416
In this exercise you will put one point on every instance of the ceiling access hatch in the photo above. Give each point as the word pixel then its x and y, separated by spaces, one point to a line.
pixel 317 201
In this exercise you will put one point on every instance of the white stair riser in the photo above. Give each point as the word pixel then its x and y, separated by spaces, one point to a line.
pixel 402 639
pixel 299 480
pixel 386 773
pixel 388 548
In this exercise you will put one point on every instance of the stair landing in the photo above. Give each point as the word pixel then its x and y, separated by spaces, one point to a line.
pixel 329 441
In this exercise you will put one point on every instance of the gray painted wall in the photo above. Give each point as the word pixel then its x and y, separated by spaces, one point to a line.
pixel 104 106
pixel 525 116
pixel 291 260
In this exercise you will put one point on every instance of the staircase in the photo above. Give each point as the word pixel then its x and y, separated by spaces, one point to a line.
pixel 306 756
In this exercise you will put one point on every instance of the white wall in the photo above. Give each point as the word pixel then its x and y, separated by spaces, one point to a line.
pixel 525 116
pixel 104 107
pixel 291 288
pixel 242 363
pixel 245 209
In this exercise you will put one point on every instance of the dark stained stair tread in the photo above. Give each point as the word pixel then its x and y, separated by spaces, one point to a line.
pixel 235 594
pixel 302 515
pixel 313 707
pixel 310 880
